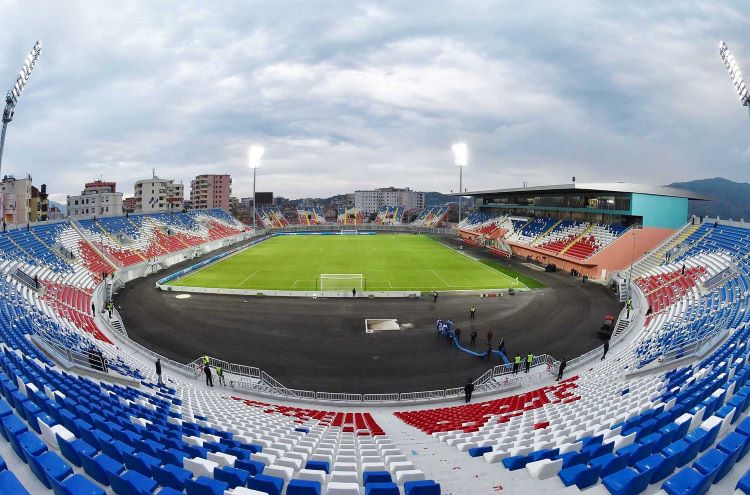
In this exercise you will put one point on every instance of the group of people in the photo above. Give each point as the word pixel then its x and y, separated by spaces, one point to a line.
pixel 205 366
pixel 446 329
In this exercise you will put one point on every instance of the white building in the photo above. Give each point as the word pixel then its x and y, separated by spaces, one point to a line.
pixel 15 200
pixel 98 198
pixel 154 195
pixel 371 201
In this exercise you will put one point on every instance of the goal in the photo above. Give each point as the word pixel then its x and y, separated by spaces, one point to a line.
pixel 342 281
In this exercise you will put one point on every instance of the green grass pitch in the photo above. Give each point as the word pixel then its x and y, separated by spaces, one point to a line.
pixel 389 262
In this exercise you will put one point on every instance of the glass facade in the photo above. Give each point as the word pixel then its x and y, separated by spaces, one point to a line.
pixel 594 200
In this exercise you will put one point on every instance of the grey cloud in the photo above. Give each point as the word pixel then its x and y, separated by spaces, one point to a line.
pixel 351 95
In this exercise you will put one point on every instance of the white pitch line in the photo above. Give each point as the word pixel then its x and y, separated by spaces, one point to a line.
pixel 247 278
pixel 389 284
pixel 441 278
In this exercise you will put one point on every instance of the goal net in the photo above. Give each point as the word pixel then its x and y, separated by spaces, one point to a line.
pixel 342 281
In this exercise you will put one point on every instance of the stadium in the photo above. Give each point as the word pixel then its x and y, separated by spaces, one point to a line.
pixel 582 337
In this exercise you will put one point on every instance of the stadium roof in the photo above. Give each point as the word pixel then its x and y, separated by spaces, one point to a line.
pixel 625 187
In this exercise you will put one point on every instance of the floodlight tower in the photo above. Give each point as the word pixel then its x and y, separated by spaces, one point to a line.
pixel 15 92
pixel 735 72
pixel 255 158
pixel 460 159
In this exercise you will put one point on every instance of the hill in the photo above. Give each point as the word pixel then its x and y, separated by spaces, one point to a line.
pixel 729 199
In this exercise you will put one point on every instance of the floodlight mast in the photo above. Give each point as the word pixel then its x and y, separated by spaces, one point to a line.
pixel 735 73
pixel 460 159
pixel 255 158
pixel 11 99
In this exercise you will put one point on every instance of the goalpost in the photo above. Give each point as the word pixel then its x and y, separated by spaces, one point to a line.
pixel 342 281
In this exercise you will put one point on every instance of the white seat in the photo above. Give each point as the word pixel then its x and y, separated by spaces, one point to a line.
pixel 409 475
pixel 241 490
pixel 295 464
pixel 395 467
pixel 312 475
pixel 265 459
pixel 344 476
pixel 222 459
pixel 546 468
pixel 282 472
pixel 49 432
pixel 336 488
pixel 199 466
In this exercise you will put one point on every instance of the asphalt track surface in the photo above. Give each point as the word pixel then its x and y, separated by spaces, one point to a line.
pixel 321 344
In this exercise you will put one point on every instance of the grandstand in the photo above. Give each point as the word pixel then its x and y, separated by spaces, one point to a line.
pixel 666 410
pixel 572 225
pixel 390 215
pixel 433 216
pixel 351 216
pixel 271 217
pixel 311 216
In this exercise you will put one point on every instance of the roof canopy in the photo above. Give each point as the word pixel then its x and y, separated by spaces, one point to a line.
pixel 602 187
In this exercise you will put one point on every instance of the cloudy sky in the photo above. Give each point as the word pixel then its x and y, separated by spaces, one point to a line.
pixel 350 95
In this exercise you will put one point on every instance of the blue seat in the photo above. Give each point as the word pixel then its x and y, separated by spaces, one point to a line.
pixel 100 467
pixel 171 476
pixel 684 451
pixel 376 477
pixel 626 481
pixel 171 456
pixel 72 450
pixel 117 449
pixel 30 445
pixel 205 486
pixel 733 445
pixel 580 475
pixel 479 451
pixel 10 484
pixel 711 463
pixel 232 476
pixel 303 487
pixel 132 483
pixel 573 458
pixel 140 462
pixel 49 466
pixel 687 482
pixel 12 427
pixel 76 485
pixel 635 452
pixel 421 487
pixel 319 466
pixel 609 463
pixel 516 462
pixel 657 466
pixel 742 484
pixel 252 467
pixel 263 483
pixel 382 489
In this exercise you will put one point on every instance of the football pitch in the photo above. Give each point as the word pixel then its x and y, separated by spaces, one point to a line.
pixel 386 262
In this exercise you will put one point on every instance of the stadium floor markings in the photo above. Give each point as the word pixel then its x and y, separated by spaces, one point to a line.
pixel 441 278
pixel 247 278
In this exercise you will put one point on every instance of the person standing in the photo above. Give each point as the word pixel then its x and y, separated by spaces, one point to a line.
pixel 220 374
pixel 683 269
pixel 93 309
pixel 489 337
pixel 458 335
pixel 158 371
pixel 516 363
pixel 209 378
pixel 501 346
pixel 468 389
pixel 354 292
pixel 473 337
pixel 560 370
pixel 629 306
pixel 472 311
pixel 434 296
pixel 606 348
pixel 440 326
pixel 529 359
